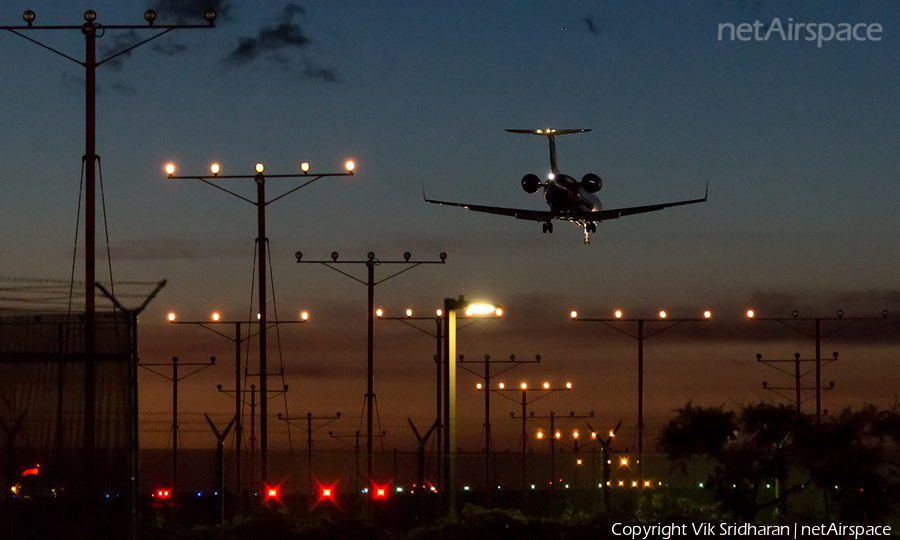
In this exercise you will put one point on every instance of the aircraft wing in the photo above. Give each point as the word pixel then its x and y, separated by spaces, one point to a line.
pixel 601 215
pixel 518 213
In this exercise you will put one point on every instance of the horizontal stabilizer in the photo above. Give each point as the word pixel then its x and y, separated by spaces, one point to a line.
pixel 548 131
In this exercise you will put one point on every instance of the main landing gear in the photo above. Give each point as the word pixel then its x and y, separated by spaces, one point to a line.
pixel 588 229
pixel 548 227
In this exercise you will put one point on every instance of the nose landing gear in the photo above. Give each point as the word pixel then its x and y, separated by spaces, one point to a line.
pixel 588 229
pixel 547 227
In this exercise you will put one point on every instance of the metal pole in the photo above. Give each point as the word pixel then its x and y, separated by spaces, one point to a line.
pixel 370 381
pixel 524 453
pixel 309 486
pixel 487 432
pixel 641 402
pixel 797 380
pixel 238 430
pixel 818 370
pixel 90 156
pixel 552 460
pixel 253 485
pixel 174 436
pixel 263 368
pixel 440 431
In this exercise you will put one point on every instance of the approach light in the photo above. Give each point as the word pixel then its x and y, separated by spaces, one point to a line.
pixel 29 17
pixel 524 386
pixel 612 434
pixel 326 493
pixel 171 317
pixel 578 462
pixel 379 312
pixel 618 313
pixel 215 316
pixel 170 169
pixel 574 314
pixel 210 16
pixel 540 434
pixel 569 385
pixel 593 434
pixel 304 167
pixel 498 312
pixel 260 168
pixel 90 15
pixel 501 386
pixel 575 436
pixel 623 462
pixel 273 492
pixel 214 168
pixel 546 386
pixel 750 313
pixel 662 314
pixel 439 313
pixel 150 16
pixel 707 314
pixel 478 386
pixel 409 313
pixel 557 434
pixel 304 315
pixel 350 166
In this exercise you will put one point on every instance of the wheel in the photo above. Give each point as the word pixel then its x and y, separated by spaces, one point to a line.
pixel 547 227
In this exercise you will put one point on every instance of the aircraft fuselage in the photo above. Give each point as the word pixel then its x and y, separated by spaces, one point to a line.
pixel 565 195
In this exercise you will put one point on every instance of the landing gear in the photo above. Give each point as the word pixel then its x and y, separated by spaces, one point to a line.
pixel 588 229
pixel 548 227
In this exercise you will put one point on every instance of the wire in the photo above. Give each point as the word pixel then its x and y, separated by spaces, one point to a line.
pixel 75 248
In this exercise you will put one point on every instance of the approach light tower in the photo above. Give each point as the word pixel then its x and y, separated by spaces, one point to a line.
pixel 261 243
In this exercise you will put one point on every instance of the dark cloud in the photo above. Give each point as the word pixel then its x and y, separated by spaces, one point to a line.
pixel 117 42
pixel 169 48
pixel 279 44
pixel 184 11
pixel 285 34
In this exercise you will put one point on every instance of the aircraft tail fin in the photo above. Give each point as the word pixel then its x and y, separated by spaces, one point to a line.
pixel 548 131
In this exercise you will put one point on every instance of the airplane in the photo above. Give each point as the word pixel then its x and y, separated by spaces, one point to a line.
pixel 568 199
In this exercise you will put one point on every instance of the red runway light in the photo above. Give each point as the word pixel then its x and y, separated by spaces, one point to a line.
pixel 273 492
pixel 380 492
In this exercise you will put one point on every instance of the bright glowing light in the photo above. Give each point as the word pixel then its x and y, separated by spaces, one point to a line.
pixel 480 309
pixel 501 385
pixel 546 386
pixel 439 313
pixel 578 462
pixel 593 434
pixel 409 313
pixel 646 483
pixel 349 166
pixel 574 434
pixel 171 317
pixel 551 176
pixel 574 314
pixel 260 167
pixel 478 386
pixel 612 434
pixel 750 313
pixel 215 316
pixel 540 434
pixel 707 314
pixel 634 483
pixel 304 316
pixel 326 492
pixel 379 312
pixel 498 312
pixel 170 169
pixel 662 314
pixel 557 434
pixel 214 168
pixel 304 167
pixel 258 317
pixel 618 313
pixel 524 386
pixel 568 385
pixel 623 461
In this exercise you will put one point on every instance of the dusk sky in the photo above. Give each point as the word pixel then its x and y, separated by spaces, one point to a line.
pixel 798 144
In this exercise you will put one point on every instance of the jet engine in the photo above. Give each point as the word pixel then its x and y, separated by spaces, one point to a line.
pixel 531 183
pixel 590 182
